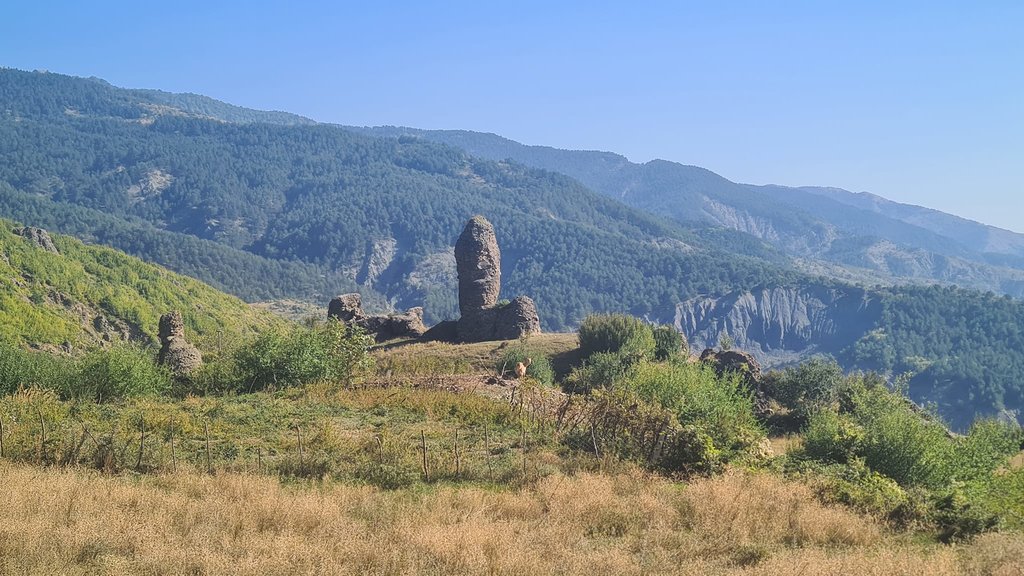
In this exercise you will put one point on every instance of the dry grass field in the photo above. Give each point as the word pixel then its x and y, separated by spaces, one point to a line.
pixel 56 521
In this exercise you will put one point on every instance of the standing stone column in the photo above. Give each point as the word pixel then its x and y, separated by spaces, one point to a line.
pixel 478 262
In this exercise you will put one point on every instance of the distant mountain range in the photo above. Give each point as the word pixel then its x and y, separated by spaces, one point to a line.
pixel 826 230
pixel 270 205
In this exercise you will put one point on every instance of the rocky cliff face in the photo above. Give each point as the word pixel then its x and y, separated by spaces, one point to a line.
pixel 782 324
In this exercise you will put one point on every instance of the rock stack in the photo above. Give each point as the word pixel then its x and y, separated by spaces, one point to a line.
pixel 176 353
pixel 348 308
pixel 478 262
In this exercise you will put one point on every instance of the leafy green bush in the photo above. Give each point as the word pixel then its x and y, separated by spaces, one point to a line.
pixel 832 437
pixel 987 446
pixel 122 371
pixel 20 368
pixel 808 387
pixel 602 370
pixel 901 443
pixel 721 407
pixel 958 517
pixel 619 333
pixel 540 364
pixel 283 357
pixel 669 343
pixel 693 451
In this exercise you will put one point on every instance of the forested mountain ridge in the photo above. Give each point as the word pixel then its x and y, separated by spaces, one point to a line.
pixel 825 227
pixel 381 211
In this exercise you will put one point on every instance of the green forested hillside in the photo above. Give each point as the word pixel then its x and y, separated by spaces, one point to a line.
pixel 332 198
pixel 85 294
pixel 963 350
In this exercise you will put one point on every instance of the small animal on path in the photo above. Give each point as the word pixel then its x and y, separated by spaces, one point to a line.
pixel 522 366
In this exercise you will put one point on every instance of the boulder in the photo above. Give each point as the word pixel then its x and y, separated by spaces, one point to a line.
pixel 734 361
pixel 37 236
pixel 516 319
pixel 348 308
pixel 176 353
pixel 743 363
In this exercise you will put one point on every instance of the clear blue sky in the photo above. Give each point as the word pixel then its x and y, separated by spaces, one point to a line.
pixel 921 102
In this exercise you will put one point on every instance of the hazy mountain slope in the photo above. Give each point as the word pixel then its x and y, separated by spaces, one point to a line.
pixel 84 295
pixel 835 228
pixel 981 238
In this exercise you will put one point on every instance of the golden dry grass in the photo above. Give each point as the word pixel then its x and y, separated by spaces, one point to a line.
pixel 77 522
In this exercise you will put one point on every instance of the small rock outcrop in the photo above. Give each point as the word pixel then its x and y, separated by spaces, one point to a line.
pixel 348 308
pixel 743 363
pixel 176 353
pixel 733 361
pixel 478 262
pixel 37 236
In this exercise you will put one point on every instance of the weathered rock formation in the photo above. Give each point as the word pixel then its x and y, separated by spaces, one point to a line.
pixel 37 236
pixel 176 353
pixel 724 361
pixel 478 261
pixel 348 308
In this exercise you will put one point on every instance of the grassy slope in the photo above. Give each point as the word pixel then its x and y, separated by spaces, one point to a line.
pixel 43 296
pixel 568 513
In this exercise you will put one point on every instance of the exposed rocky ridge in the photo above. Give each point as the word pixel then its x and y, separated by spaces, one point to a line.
pixel 37 236
pixel 779 325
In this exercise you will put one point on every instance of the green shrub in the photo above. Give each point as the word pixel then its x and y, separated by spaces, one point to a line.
pixel 855 485
pixel 619 333
pixel 602 370
pixel 286 357
pixel 958 517
pixel 811 386
pixel 668 343
pixel 832 437
pixel 906 445
pixel 540 364
pixel 988 446
pixel 693 451
pixel 116 373
pixel 722 406
pixel 20 368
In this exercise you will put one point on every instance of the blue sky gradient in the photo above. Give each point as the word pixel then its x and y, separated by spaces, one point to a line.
pixel 920 102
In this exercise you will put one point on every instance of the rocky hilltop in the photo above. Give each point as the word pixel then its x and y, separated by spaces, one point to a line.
pixel 781 324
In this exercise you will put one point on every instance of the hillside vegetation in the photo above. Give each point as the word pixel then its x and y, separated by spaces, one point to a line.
pixel 315 454
pixel 84 295
pixel 828 229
